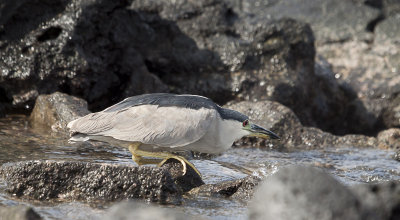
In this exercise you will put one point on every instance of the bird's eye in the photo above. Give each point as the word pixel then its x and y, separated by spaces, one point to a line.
pixel 245 123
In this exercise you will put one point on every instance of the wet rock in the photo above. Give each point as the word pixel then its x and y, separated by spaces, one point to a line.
pixel 389 139
pixel 44 180
pixel 380 200
pixel 238 189
pixel 396 156
pixel 137 210
pixel 303 193
pixel 73 46
pixel 185 182
pixel 54 111
pixel 19 212
pixel 286 125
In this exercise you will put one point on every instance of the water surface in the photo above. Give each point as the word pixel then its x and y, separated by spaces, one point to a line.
pixel 18 142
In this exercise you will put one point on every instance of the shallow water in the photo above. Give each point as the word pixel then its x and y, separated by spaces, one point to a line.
pixel 350 165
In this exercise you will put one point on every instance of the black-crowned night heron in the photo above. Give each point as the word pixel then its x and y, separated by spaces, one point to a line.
pixel 153 125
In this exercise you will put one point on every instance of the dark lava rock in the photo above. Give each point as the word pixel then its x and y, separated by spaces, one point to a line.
pixel 56 110
pixel 103 51
pixel 43 180
pixel 18 213
pixel 370 72
pixel 379 201
pixel 238 189
pixel 88 49
pixel 282 121
pixel 389 139
pixel 331 20
pixel 186 182
pixel 137 210
pixel 396 156
pixel 303 193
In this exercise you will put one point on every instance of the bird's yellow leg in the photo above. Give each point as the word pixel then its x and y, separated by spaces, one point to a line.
pixel 138 154
pixel 138 158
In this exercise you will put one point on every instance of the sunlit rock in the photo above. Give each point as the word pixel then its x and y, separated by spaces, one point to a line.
pixel 54 111
pixel 303 193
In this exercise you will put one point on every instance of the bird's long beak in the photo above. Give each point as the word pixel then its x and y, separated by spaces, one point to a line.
pixel 258 131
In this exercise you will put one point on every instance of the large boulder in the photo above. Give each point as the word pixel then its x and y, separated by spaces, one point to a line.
pixel 379 200
pixel 331 20
pixel 369 69
pixel 67 46
pixel 103 51
pixel 44 180
pixel 303 193
pixel 281 120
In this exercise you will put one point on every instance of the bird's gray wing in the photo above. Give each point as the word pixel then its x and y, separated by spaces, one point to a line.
pixel 154 125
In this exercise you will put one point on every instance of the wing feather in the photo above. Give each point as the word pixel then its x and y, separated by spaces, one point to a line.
pixel 149 124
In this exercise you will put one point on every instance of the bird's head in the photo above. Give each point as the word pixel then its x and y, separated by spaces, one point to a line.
pixel 257 131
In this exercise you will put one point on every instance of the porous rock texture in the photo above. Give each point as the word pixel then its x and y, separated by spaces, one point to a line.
pixel 63 180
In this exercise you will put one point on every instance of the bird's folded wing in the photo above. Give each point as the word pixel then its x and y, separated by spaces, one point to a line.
pixel 149 124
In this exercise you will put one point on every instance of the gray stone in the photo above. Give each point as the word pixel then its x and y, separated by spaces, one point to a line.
pixel 389 139
pixel 379 200
pixel 54 111
pixel 303 193
pixel 137 210
pixel 388 29
pixel 44 180
pixel 19 212
pixel 286 125
pixel 370 72
pixel 241 189
pixel 331 20
pixel 390 7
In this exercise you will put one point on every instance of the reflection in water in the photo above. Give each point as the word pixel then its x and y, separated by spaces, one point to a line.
pixel 350 165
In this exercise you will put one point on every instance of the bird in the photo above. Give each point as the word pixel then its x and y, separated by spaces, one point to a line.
pixel 154 126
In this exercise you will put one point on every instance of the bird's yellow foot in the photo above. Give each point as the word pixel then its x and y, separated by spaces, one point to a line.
pixel 183 162
pixel 137 156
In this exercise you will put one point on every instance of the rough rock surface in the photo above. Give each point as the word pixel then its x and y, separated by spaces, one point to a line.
pixel 396 156
pixel 56 110
pixel 19 212
pixel 370 71
pixel 321 14
pixel 238 189
pixel 390 139
pixel 103 51
pixel 303 193
pixel 282 121
pixel 185 182
pixel 379 201
pixel 43 180
pixel 136 210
